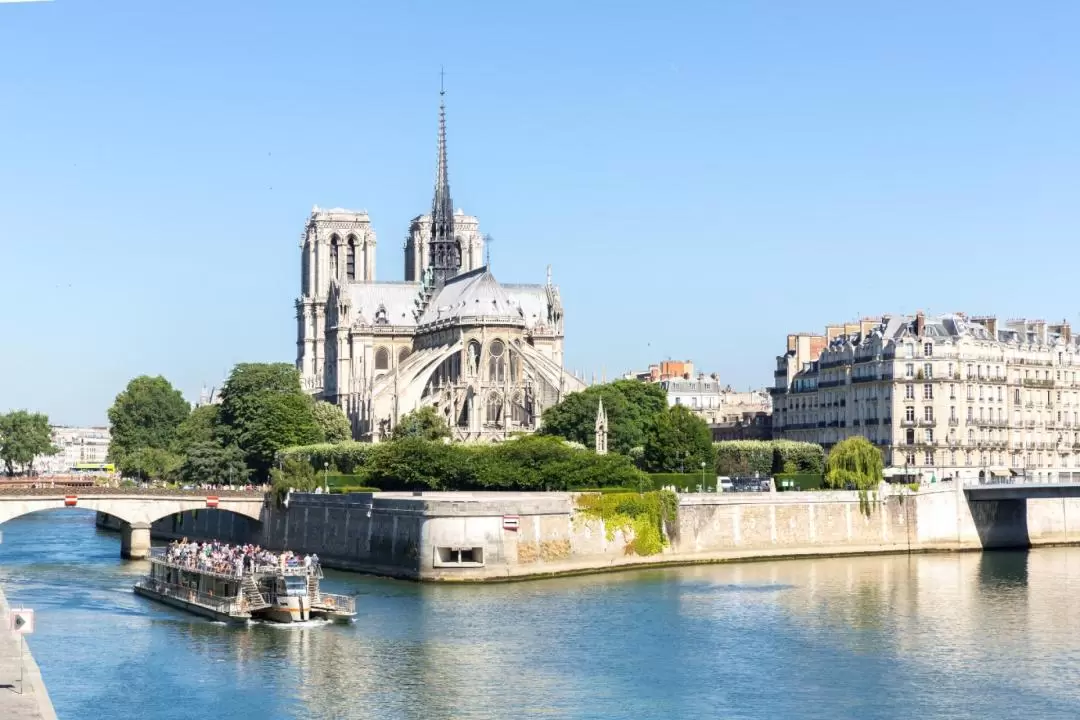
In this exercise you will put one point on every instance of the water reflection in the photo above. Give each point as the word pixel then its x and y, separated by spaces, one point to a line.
pixel 929 636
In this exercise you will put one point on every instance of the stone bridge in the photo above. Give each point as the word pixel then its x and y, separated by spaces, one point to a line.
pixel 135 508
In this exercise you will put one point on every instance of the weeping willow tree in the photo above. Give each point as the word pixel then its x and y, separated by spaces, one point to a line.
pixel 855 462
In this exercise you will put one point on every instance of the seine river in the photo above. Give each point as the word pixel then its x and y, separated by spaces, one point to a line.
pixel 934 636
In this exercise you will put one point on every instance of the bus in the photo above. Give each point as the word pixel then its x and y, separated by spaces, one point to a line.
pixel 95 467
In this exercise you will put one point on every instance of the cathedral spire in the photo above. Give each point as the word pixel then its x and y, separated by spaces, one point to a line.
pixel 445 248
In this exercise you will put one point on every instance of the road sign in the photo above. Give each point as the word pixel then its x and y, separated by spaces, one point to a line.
pixel 21 621
pixel 71 500
pixel 510 522
pixel 211 501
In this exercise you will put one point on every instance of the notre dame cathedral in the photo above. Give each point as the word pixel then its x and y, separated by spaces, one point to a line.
pixel 487 356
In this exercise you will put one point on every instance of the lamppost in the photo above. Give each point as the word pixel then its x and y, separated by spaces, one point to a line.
pixel 702 476
pixel 326 475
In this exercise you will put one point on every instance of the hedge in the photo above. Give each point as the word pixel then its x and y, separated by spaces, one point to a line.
pixel 524 463
pixel 803 481
pixel 768 457
pixel 682 481
pixel 343 457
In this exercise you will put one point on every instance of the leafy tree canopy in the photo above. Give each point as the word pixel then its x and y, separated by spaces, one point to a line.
pixel 854 462
pixel 423 423
pixel 145 415
pixel 209 462
pixel 264 410
pixel 332 421
pixel 630 406
pixel 197 428
pixel 24 436
pixel 679 440
pixel 149 463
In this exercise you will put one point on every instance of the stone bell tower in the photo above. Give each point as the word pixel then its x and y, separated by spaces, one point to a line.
pixel 601 429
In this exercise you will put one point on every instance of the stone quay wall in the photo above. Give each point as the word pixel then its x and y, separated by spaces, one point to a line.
pixel 491 536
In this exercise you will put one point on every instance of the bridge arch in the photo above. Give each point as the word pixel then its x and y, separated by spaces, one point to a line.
pixel 136 513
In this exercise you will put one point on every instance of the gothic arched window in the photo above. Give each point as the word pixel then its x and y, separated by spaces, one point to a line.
pixel 350 259
pixel 494 409
pixel 519 416
pixel 496 361
pixel 402 354
pixel 382 359
pixel 334 242
pixel 305 270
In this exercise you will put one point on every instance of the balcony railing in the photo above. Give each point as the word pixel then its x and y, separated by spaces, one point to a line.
pixel 1032 383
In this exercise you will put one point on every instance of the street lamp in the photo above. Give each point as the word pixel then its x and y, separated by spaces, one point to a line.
pixel 702 476
pixel 326 474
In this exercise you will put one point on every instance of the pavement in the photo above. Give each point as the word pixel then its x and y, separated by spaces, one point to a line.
pixel 32 703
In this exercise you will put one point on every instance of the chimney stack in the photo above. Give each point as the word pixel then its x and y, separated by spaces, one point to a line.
pixel 920 323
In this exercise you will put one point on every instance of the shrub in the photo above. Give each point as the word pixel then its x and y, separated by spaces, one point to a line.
pixel 529 462
pixel 767 457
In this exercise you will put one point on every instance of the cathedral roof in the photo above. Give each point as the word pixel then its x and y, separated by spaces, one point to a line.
pixel 473 295
pixel 397 300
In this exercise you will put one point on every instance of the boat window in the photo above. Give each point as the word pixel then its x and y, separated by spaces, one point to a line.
pixel 295 586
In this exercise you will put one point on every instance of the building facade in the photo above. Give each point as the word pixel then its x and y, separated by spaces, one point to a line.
pixel 942 397
pixel 79 446
pixel 488 356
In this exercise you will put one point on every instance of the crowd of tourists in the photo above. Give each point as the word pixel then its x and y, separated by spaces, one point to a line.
pixel 235 560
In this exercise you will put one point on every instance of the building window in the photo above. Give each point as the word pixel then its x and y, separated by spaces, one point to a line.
pixel 928 392
pixel 928 413
pixel 334 242
pixel 402 354
pixel 970 414
pixel 497 361
pixel 382 359
pixel 952 412
pixel 930 457
pixel 928 349
pixel 909 459
pixel 952 392
pixel 928 371
pixel 930 435
pixel 1016 397
pixel 494 409
pixel 909 413
pixel 350 259
pixel 909 370
pixel 909 392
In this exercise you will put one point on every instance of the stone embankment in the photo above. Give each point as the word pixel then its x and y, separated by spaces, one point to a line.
pixel 26 699
pixel 501 536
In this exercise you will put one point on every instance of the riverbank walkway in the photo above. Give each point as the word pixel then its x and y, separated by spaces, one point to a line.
pixel 33 702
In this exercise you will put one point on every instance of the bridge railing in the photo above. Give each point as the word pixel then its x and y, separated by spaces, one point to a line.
pixel 59 490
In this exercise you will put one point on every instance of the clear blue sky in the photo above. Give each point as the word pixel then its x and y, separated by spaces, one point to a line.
pixel 703 177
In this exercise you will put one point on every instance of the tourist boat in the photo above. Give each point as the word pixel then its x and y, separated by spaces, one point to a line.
pixel 280 593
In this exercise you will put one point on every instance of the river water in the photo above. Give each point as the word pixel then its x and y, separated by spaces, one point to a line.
pixel 933 636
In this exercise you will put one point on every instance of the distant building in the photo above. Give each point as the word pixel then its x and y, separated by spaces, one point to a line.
pixel 81 448
pixel 946 396
pixel 730 414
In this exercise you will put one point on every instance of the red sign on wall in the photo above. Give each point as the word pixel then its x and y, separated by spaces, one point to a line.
pixel 211 501
pixel 71 500
pixel 510 522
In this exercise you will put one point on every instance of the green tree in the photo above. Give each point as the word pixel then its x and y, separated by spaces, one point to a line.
pixel 630 406
pixel 197 428
pixel 854 463
pixel 264 410
pixel 424 423
pixel 209 462
pixel 679 440
pixel 294 474
pixel 145 415
pixel 24 436
pixel 149 463
pixel 330 418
